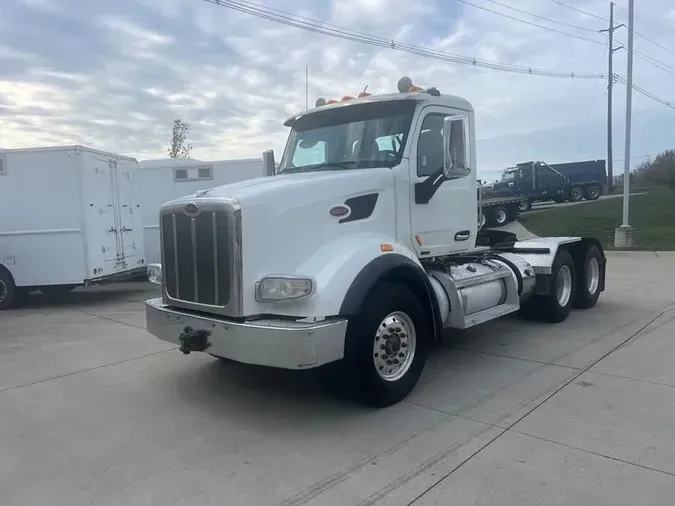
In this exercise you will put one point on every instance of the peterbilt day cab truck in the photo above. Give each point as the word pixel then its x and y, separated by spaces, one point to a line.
pixel 359 251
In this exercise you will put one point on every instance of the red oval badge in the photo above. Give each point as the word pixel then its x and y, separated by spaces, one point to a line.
pixel 339 211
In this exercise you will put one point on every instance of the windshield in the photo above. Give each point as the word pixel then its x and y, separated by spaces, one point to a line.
pixel 358 136
pixel 510 174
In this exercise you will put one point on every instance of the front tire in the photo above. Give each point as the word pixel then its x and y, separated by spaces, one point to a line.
pixel 555 307
pixel 386 347
pixel 524 205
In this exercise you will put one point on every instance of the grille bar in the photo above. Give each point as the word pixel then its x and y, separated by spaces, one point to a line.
pixel 196 252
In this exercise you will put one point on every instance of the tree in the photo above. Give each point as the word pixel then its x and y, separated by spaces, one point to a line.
pixel 659 171
pixel 177 146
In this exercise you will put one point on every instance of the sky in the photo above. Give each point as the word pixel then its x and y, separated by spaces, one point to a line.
pixel 114 75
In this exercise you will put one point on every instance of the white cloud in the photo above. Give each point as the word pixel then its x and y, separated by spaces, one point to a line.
pixel 114 75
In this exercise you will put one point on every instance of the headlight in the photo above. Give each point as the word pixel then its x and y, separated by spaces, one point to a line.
pixel 280 288
pixel 155 273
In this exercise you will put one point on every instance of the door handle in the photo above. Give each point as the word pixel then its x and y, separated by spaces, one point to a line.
pixel 462 235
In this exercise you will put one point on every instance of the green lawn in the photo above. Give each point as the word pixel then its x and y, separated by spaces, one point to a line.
pixel 652 215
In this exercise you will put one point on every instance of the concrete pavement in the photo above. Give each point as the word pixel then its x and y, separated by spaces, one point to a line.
pixel 93 410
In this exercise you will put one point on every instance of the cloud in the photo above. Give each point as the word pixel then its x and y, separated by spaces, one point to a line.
pixel 114 75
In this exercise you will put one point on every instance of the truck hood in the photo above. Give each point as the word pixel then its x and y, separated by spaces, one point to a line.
pixel 286 191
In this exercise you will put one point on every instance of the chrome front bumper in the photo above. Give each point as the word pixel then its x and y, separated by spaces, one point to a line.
pixel 272 343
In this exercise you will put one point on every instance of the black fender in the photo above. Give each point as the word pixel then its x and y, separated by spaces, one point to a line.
pixel 393 267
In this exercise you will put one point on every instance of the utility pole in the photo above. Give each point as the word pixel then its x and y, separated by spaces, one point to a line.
pixel 623 235
pixel 610 86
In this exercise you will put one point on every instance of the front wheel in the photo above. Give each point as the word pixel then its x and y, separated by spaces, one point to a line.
pixel 386 347
pixel 524 205
pixel 500 216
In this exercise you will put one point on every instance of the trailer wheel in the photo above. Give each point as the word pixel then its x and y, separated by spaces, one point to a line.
pixel 386 347
pixel 524 205
pixel 593 193
pixel 589 279
pixel 10 295
pixel 576 194
pixel 500 216
pixel 555 307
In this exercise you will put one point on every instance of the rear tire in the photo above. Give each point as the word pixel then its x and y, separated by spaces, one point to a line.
pixel 593 193
pixel 524 205
pixel 576 194
pixel 556 307
pixel 500 216
pixel 10 295
pixel 589 280
pixel 386 348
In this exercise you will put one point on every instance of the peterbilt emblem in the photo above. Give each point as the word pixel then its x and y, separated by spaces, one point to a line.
pixel 191 209
pixel 340 211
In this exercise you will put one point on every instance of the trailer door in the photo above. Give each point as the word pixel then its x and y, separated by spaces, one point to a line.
pixel 124 181
pixel 101 210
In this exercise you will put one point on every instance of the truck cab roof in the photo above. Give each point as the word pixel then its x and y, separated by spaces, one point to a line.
pixel 450 101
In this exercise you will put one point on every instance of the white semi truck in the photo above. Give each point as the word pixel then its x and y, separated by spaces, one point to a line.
pixel 359 251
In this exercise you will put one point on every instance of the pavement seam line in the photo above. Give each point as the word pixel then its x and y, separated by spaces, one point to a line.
pixel 512 357
pixel 510 427
pixel 110 319
pixel 72 373
pixel 571 447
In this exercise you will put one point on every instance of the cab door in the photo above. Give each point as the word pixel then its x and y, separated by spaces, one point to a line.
pixel 443 213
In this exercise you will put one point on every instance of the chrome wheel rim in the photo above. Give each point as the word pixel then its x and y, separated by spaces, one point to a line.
pixel 563 286
pixel 500 216
pixel 522 206
pixel 593 280
pixel 394 346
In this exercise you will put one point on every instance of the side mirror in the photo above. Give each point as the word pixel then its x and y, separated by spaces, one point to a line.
pixel 453 165
pixel 269 166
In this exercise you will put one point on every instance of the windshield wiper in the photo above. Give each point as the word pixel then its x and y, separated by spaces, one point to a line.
pixel 351 164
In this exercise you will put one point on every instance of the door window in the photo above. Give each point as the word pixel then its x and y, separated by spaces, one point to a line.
pixel 430 144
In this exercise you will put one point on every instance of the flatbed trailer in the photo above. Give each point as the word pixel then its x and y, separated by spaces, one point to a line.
pixel 498 211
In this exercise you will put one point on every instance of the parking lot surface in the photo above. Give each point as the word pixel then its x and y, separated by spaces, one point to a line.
pixel 93 410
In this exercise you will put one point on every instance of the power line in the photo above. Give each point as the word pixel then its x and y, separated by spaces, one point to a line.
pixel 315 26
pixel 641 35
pixel 577 27
pixel 322 28
pixel 530 23
pixel 563 4
pixel 646 93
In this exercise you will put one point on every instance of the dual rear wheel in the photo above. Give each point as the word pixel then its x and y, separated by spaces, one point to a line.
pixel 570 286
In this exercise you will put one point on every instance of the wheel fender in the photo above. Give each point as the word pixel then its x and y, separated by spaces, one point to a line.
pixel 394 267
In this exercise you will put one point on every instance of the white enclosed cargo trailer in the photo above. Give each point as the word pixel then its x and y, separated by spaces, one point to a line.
pixel 69 216
pixel 167 179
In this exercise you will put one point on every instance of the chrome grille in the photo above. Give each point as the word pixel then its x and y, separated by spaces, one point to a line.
pixel 195 255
